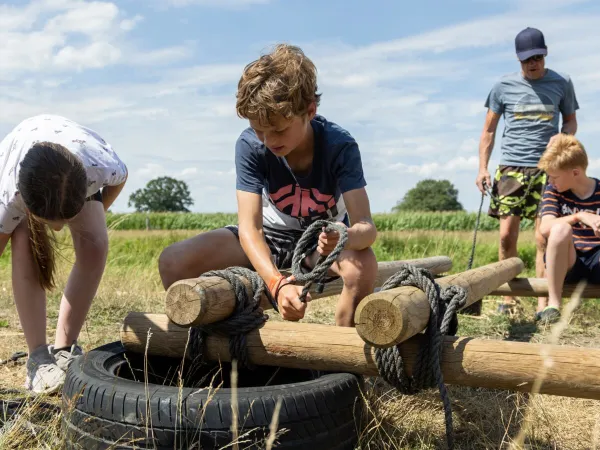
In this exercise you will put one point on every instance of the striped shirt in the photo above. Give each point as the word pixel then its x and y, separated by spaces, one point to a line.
pixel 560 204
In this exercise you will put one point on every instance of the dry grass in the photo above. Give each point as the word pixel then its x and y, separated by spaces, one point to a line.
pixel 483 419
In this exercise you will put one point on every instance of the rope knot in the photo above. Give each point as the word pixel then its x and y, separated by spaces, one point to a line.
pixel 306 245
pixel 444 304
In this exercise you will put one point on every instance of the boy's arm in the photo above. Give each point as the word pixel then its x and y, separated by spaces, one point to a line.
pixel 362 232
pixel 252 239
pixel 548 220
pixel 253 243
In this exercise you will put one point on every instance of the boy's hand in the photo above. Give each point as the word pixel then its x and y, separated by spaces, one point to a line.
pixel 591 220
pixel 328 241
pixel 290 306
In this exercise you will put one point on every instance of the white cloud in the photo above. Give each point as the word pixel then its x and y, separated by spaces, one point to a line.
pixel 130 24
pixel 59 36
pixel 217 3
pixel 414 104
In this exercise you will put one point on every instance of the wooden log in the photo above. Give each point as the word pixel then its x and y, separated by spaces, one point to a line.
pixel 386 318
pixel 538 287
pixel 486 363
pixel 204 300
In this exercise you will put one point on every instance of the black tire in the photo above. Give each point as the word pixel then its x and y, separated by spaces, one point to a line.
pixel 104 407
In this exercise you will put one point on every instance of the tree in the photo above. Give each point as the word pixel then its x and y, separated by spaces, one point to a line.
pixel 162 194
pixel 430 195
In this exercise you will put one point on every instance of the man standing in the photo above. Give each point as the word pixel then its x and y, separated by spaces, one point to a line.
pixel 530 101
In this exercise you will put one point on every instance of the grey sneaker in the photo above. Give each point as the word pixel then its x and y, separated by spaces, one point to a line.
pixel 43 375
pixel 64 357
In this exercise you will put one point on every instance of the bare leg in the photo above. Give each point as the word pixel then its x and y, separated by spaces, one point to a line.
pixel 560 257
pixel 30 297
pixel 509 235
pixel 213 250
pixel 358 269
pixel 90 241
pixel 540 270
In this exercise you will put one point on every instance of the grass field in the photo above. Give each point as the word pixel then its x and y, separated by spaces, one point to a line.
pixel 482 418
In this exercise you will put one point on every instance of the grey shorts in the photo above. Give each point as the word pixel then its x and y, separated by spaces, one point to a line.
pixel 281 243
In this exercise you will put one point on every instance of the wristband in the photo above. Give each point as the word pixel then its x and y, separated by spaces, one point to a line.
pixel 276 284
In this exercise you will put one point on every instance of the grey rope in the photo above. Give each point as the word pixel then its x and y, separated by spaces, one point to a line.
pixel 444 304
pixel 306 245
pixel 248 315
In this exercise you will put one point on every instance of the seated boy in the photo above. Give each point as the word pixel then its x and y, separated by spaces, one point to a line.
pixel 293 167
pixel 570 221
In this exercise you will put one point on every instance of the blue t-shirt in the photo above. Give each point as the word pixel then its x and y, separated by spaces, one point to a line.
pixel 559 204
pixel 531 110
pixel 294 202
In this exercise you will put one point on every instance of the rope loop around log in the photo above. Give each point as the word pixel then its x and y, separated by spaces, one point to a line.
pixel 248 315
pixel 444 305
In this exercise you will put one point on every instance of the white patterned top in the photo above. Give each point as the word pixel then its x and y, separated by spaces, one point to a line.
pixel 103 166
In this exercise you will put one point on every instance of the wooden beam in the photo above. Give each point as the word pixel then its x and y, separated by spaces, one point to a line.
pixel 386 318
pixel 538 287
pixel 205 300
pixel 487 363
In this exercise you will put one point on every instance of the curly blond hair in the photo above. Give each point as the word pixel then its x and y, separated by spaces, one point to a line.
pixel 283 82
pixel 565 152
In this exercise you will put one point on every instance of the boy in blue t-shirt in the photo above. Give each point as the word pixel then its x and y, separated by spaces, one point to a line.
pixel 293 167
pixel 570 220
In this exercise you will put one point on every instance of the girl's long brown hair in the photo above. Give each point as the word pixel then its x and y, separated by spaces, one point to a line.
pixel 53 185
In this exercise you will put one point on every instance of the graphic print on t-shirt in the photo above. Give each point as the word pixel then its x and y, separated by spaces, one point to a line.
pixel 535 108
pixel 296 201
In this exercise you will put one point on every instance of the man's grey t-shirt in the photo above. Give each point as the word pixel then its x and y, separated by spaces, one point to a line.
pixel 531 110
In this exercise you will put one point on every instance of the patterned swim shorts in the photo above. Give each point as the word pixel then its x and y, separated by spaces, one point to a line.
pixel 510 188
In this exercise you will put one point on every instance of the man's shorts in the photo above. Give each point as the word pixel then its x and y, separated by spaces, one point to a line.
pixel 281 243
pixel 510 186
pixel 587 266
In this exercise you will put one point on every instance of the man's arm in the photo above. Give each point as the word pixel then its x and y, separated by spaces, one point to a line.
pixel 362 232
pixel 569 125
pixel 486 145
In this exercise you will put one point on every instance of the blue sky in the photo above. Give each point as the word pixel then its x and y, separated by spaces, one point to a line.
pixel 157 79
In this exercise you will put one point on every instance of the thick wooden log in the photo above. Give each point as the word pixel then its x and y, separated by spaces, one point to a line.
pixel 205 300
pixel 386 318
pixel 487 363
pixel 538 287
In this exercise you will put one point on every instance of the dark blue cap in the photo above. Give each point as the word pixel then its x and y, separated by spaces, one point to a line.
pixel 530 42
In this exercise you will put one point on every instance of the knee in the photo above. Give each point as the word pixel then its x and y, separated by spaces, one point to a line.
pixel 560 232
pixel 167 266
pixel 359 270
pixel 93 253
pixel 508 239
pixel 540 240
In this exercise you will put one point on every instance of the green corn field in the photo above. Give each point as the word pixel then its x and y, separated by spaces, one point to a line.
pixel 451 221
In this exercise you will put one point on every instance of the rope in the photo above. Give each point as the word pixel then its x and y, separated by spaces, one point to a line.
pixel 306 245
pixel 444 304
pixel 248 315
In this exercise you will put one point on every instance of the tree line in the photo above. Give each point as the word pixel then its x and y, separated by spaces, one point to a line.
pixel 167 194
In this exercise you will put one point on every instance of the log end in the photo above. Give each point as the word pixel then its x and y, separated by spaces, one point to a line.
pixel 378 321
pixel 183 303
